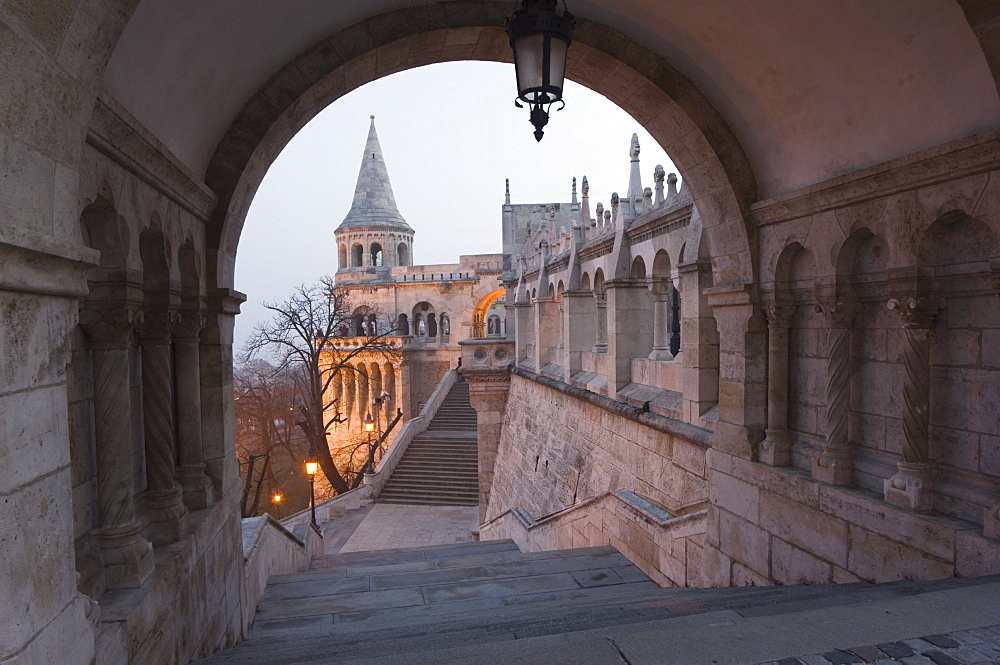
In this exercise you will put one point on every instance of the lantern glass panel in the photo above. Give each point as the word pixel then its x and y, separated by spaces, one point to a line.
pixel 557 65
pixel 529 51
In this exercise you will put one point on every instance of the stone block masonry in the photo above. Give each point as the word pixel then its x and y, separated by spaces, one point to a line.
pixel 562 449
pixel 769 525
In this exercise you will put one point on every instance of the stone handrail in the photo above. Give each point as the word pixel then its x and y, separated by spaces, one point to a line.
pixel 374 482
pixel 269 548
pixel 622 519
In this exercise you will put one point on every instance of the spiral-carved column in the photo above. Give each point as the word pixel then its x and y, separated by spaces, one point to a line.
pixel 127 556
pixel 163 498
pixel 187 381
pixel 913 485
pixel 834 464
pixel 775 449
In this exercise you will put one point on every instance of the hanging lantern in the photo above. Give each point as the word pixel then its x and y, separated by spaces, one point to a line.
pixel 540 36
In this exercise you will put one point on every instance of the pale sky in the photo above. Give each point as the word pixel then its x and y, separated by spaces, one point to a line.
pixel 450 135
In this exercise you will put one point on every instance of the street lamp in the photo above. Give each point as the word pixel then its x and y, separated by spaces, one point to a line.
pixel 312 466
pixel 369 428
pixel 276 498
pixel 540 36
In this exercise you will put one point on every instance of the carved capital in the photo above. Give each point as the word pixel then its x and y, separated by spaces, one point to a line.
pixel 601 299
pixel 779 315
pixel 189 324
pixel 917 312
pixel 111 328
pixel 157 326
pixel 838 313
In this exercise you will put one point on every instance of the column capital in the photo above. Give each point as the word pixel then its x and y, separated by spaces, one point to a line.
pixel 779 314
pixel 111 328
pixel 838 313
pixel 189 324
pixel 917 311
pixel 157 326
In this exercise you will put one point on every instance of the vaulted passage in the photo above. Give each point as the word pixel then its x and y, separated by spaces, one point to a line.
pixel 782 372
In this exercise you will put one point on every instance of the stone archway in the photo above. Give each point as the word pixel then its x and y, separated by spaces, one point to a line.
pixel 642 83
pixel 482 307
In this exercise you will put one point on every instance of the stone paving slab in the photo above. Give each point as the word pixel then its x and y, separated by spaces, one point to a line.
pixel 964 647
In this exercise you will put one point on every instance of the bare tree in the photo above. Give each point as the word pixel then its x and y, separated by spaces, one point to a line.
pixel 265 421
pixel 303 337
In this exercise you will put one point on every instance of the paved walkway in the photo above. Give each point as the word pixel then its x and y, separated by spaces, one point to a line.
pixel 382 526
pixel 978 646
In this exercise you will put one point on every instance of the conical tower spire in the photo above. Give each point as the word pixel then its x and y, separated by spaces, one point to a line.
pixel 374 204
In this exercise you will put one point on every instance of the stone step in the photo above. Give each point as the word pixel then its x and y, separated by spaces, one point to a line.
pixel 410 615
pixel 427 501
pixel 430 494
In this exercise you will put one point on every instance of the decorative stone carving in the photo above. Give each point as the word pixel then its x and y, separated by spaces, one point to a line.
pixel 834 464
pixel 912 486
pixel 111 328
pixel 126 555
pixel 775 449
pixel 163 498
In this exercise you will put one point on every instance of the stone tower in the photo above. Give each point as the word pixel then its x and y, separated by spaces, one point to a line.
pixel 373 234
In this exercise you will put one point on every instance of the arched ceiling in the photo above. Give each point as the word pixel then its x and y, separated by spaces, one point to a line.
pixel 811 89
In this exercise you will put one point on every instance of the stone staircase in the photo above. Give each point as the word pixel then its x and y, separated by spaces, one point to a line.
pixel 441 465
pixel 480 602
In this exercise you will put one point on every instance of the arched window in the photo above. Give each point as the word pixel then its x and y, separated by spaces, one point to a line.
pixel 402 325
pixel 493 326
pixel 403 252
pixel 445 326
pixel 342 257
pixel 376 254
pixel 432 329
pixel 357 256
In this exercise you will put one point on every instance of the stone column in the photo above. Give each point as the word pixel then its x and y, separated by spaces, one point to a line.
pixel 546 331
pixel 630 335
pixel 913 485
pixel 675 323
pixel 991 516
pixel 164 498
pixel 187 373
pixel 699 341
pixel 601 303
pixel 523 329
pixel 775 449
pixel 217 405
pixel 489 384
pixel 661 322
pixel 127 556
pixel 578 328
pixel 835 463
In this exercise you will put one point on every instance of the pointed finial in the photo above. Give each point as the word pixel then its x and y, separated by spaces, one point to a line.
pixel 658 176
pixel 600 214
pixel 373 119
pixel 634 149
pixel 507 196
pixel 671 185
pixel 585 188
pixel 574 190
pixel 647 199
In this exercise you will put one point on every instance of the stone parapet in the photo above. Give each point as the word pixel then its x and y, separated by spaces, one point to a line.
pixel 781 526
pixel 666 547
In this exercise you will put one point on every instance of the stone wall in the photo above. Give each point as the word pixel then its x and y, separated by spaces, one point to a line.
pixel 424 372
pixel 558 449
pixel 780 526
